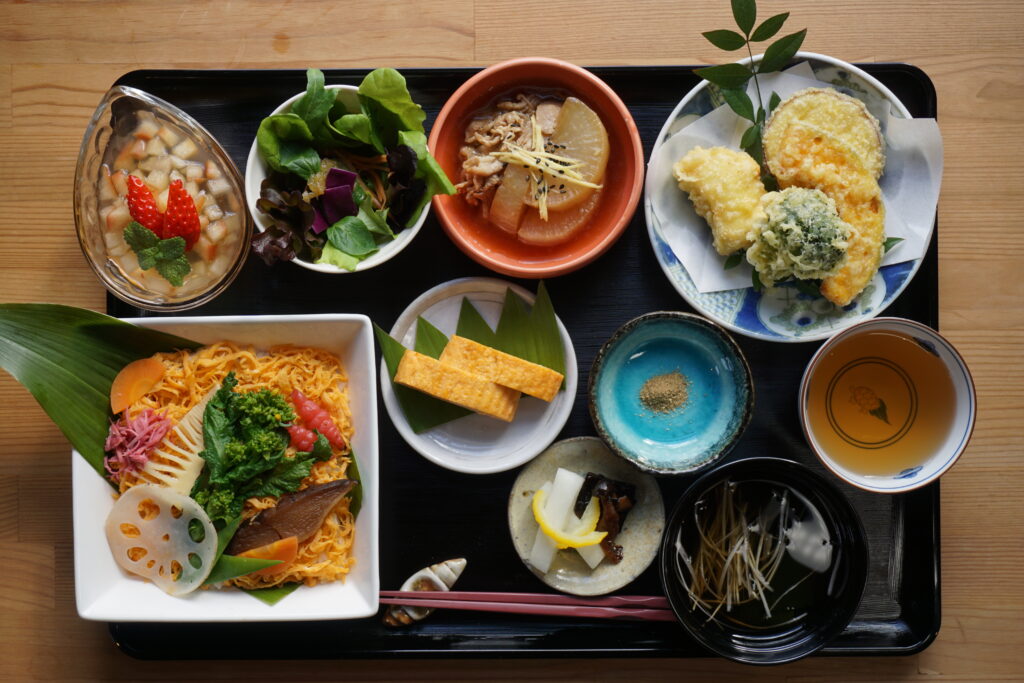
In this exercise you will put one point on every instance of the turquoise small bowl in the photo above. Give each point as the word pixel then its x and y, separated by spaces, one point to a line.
pixel 676 439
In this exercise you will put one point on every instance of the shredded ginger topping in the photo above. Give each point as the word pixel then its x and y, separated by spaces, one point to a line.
pixel 547 165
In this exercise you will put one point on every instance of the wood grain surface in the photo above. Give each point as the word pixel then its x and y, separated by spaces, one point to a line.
pixel 57 58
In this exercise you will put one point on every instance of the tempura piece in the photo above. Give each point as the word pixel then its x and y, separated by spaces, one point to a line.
pixel 725 188
pixel 824 140
pixel 814 160
pixel 804 238
pixel 842 118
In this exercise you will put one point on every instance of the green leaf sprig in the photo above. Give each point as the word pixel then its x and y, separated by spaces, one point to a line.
pixel 167 256
pixel 732 79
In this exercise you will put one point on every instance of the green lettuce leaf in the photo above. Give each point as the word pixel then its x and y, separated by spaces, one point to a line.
pixel 285 143
pixel 351 236
pixel 386 101
pixel 336 257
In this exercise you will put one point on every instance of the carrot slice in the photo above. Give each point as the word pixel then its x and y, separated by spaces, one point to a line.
pixel 133 382
pixel 285 550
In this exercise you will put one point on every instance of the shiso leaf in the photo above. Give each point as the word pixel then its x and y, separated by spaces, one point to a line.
pixel 68 357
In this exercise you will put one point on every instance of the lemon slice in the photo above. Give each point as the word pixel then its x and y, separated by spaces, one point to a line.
pixel 585 533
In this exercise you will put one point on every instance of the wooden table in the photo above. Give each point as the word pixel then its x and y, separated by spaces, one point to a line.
pixel 57 58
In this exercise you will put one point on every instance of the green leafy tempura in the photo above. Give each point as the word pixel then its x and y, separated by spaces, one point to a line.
pixel 804 238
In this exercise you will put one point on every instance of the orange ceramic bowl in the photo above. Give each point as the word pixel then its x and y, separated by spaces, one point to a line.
pixel 623 181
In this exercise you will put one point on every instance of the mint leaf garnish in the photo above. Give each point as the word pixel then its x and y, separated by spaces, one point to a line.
pixel 167 256
pixel 139 237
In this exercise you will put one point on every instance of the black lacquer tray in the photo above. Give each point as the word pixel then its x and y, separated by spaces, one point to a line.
pixel 428 514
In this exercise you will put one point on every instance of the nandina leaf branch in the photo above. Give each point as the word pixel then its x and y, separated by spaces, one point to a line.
pixel 732 79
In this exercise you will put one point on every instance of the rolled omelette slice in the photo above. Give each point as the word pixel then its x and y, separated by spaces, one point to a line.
pixel 726 189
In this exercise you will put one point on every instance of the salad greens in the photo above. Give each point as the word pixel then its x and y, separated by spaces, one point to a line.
pixel 245 439
pixel 382 145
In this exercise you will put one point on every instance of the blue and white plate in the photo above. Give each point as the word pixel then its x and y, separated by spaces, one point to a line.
pixel 782 313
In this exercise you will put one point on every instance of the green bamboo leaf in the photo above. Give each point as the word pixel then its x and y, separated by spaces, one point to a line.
pixel 224 535
pixel 769 27
pixel 755 281
pixel 231 567
pixel 472 325
pixel 274 595
pixel 750 137
pixel 356 495
pixel 739 101
pixel 422 411
pixel 779 53
pixel 430 341
pixel 725 40
pixel 745 14
pixel 773 101
pixel 733 260
pixel 725 75
pixel 889 243
pixel 68 358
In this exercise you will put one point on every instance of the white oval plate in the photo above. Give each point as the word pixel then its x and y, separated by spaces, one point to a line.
pixel 782 314
pixel 640 537
pixel 477 444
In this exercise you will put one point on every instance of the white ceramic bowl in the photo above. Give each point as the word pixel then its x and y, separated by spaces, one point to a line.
pixel 106 593
pixel 256 171
pixel 477 444
pixel 961 425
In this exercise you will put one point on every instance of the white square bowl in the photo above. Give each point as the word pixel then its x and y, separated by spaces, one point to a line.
pixel 104 592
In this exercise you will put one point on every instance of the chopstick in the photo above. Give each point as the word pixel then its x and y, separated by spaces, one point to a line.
pixel 650 608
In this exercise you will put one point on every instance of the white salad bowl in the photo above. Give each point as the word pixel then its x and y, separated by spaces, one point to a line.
pixel 104 592
pixel 256 171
